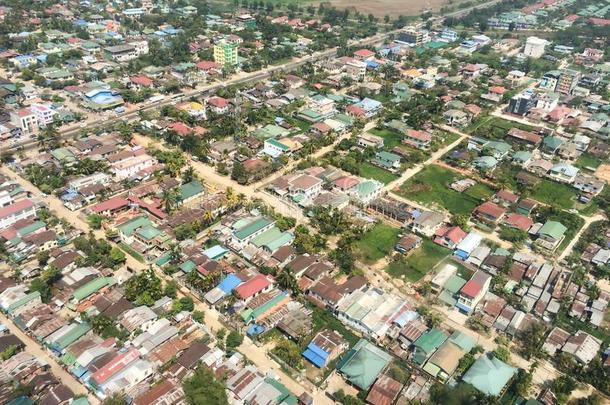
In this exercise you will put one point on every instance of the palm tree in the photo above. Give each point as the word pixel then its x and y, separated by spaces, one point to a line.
pixel 288 281
pixel 189 175
pixel 208 216
pixel 170 199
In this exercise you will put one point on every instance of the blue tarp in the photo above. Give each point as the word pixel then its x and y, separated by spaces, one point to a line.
pixel 255 329
pixel 461 254
pixel 229 283
pixel 315 355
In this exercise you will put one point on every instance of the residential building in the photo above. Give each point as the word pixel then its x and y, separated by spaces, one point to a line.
pixel 473 291
pixel 522 103
pixel 568 80
pixel 427 223
pixel 534 47
pixel 25 119
pixel 325 346
pixel 225 53
pixel 414 36
pixel 489 375
pixel 23 209
pixel 582 346
pixel 363 364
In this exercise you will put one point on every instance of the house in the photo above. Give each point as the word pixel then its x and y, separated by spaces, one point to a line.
pixel 526 206
pixel 325 346
pixel 251 288
pixel 427 223
pixel 277 147
pixel 365 192
pixel 527 137
pixel 589 185
pixel 550 235
pixel 473 291
pixel 551 144
pixel 506 198
pixel 425 345
pixel 582 346
pixel 456 118
pixel 16 211
pixel 244 230
pixel 489 212
pixel 555 341
pixel 368 140
pixel 407 243
pixel 363 364
pixel 449 236
pixel 364 54
pixel 468 245
pixel 563 172
pixel 489 375
pixel 218 105
pixel 518 221
pixel 384 391
pixel 386 160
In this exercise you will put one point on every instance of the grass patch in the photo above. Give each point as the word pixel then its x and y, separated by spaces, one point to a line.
pixel 370 171
pixel 391 139
pixel 377 243
pixel 555 194
pixel 431 187
pixel 494 127
pixel 417 264
pixel 128 249
pixel 588 161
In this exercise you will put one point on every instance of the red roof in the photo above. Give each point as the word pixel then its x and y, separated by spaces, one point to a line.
pixel 346 182
pixel 364 53
pixel 207 65
pixel 599 21
pixel 115 365
pixel 490 209
pixel 471 289
pixel 141 80
pixel 455 234
pixel 572 17
pixel 111 204
pixel 15 208
pixel 519 221
pixel 180 128
pixel 218 102
pixel 497 89
pixel 255 285
pixel 419 135
pixel 507 195
pixel 355 110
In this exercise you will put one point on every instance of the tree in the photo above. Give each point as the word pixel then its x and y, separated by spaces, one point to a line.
pixel 523 383
pixel 198 316
pixel 117 257
pixel 202 388
pixel 234 340
pixel 169 198
pixel 143 287
pixel 9 352
pixel 563 386
pixel 116 398
pixel 288 281
pixel 532 340
pixel 171 289
pixel 188 175
pixel 95 221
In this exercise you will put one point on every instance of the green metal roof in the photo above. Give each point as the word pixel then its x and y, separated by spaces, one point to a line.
pixel 553 229
pixel 272 239
pixel 462 340
pixel 188 266
pixel 363 364
pixel 23 301
pixel 31 228
pixel 149 232
pixel 447 297
pixel 552 142
pixel 62 154
pixel 129 227
pixel 489 375
pixel 92 287
pixel 367 187
pixel 72 336
pixel 428 343
pixel 191 189
pixel 252 227
pixel 286 397
pixel 278 144
pixel 454 284
pixel 163 259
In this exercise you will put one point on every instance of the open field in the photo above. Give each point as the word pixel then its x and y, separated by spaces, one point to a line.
pixel 553 193
pixel 370 171
pixel 417 264
pixel 431 187
pixel 377 243
pixel 393 8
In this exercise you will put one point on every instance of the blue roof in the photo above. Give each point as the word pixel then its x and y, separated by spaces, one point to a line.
pixel 215 252
pixel 229 283
pixel 315 355
pixel 405 317
pixel 255 329
pixel 372 64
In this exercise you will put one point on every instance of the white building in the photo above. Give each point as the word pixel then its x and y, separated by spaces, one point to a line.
pixel 26 120
pixel 16 211
pixel 129 167
pixel 534 47
pixel 44 114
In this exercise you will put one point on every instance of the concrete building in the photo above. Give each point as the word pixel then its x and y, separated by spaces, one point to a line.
pixel 534 47
pixel 225 53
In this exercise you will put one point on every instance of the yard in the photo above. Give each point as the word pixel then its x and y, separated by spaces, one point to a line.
pixel 391 139
pixel 431 187
pixel 588 161
pixel 377 243
pixel 418 263
pixel 370 171
pixel 555 194
pixel 494 127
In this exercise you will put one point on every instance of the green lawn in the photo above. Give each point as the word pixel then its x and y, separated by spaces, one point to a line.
pixel 391 139
pixel 419 262
pixel 131 252
pixel 431 186
pixel 586 160
pixel 377 243
pixel 370 171
pixel 493 127
pixel 553 193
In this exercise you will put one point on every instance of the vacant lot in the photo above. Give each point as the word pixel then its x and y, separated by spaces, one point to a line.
pixel 377 243
pixel 391 139
pixel 370 171
pixel 431 187
pixel 393 8
pixel 419 262
pixel 494 127
pixel 556 194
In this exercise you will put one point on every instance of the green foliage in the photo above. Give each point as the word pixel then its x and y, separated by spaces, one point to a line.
pixel 234 340
pixel 9 352
pixel 305 242
pixel 290 353
pixel 563 386
pixel 95 221
pixel 203 388
pixel 115 398
pixel 329 221
pixel 106 327
pixel 346 399
pixel 143 288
